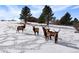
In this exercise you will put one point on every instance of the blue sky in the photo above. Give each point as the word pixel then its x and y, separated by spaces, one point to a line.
pixel 8 12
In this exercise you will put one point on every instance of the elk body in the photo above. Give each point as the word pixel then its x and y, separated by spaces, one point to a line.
pixel 35 30
pixel 48 34
pixel 45 33
pixel 21 27
pixel 54 34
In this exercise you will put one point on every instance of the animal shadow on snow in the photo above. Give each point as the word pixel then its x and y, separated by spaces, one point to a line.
pixel 68 44
pixel 34 35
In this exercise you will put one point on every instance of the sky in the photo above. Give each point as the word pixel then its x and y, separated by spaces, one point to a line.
pixel 9 12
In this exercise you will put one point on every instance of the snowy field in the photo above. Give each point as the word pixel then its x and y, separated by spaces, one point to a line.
pixel 26 42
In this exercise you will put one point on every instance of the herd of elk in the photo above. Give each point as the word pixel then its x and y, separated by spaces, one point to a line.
pixel 48 34
pixel 21 27
pixel 36 30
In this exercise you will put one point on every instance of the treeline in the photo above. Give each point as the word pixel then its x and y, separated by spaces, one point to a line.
pixel 47 16
pixel 66 20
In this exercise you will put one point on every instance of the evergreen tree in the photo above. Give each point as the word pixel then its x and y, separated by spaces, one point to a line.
pixel 73 22
pixel 65 20
pixel 41 19
pixel 46 15
pixel 25 14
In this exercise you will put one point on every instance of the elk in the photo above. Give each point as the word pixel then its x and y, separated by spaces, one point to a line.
pixel 49 34
pixel 21 27
pixel 54 34
pixel 45 33
pixel 35 30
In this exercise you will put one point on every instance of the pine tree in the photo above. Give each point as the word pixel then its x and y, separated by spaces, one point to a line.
pixel 25 14
pixel 73 22
pixel 46 15
pixel 41 19
pixel 65 20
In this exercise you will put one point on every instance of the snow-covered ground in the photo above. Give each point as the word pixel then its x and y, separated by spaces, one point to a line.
pixel 23 42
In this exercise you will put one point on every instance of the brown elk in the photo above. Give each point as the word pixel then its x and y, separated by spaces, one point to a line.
pixel 21 27
pixel 45 33
pixel 54 34
pixel 48 34
pixel 36 30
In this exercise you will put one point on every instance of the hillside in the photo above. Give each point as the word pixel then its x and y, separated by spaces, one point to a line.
pixel 18 42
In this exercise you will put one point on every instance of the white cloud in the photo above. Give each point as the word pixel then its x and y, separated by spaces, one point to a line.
pixel 75 7
pixel 59 7
pixel 36 10
pixel 12 13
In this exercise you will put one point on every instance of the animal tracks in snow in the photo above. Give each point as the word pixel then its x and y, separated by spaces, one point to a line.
pixel 12 41
pixel 19 42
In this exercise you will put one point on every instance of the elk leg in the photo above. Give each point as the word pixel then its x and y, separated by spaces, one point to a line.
pixel 46 38
pixel 56 38
pixel 22 31
pixel 50 38
pixel 37 33
pixel 17 31
pixel 34 32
